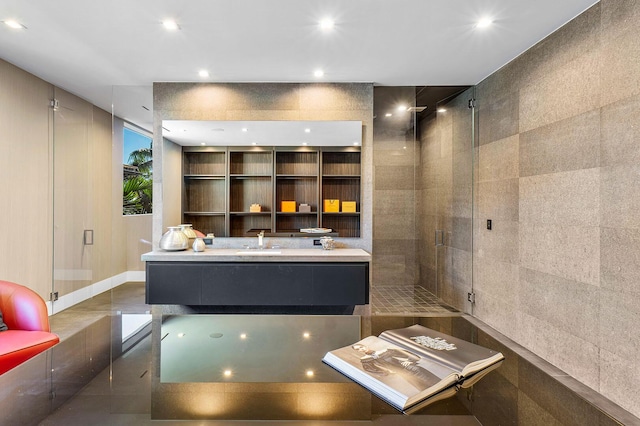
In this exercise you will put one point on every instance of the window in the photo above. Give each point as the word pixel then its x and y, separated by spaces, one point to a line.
pixel 137 183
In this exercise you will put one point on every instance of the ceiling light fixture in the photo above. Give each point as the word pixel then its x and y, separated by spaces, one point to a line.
pixel 170 24
pixel 318 73
pixel 244 129
pixel 484 23
pixel 441 110
pixel 203 73
pixel 307 130
pixel 304 143
pixel 14 24
pixel 402 108
pixel 388 114
pixel 326 24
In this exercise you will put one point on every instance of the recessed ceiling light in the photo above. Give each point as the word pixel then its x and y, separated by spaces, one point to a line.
pixel 243 336
pixel 356 143
pixel 307 130
pixel 388 114
pixel 318 73
pixel 227 373
pixel 244 129
pixel 304 143
pixel 484 23
pixel 306 334
pixel 309 373
pixel 14 24
pixel 326 24
pixel 441 110
pixel 202 143
pixel 402 108
pixel 203 73
pixel 170 25
pixel 254 143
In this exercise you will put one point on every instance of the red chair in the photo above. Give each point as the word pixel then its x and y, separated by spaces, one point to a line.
pixel 25 314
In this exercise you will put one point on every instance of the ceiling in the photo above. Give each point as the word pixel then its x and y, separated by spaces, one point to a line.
pixel 110 52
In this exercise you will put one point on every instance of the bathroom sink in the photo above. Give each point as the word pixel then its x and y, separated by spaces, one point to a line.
pixel 266 252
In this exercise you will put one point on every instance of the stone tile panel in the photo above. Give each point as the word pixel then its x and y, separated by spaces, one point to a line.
pixel 499 160
pixel 571 252
pixel 568 91
pixel 570 144
pixel 568 198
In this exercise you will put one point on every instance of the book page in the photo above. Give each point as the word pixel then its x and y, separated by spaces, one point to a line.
pixel 457 354
pixel 389 370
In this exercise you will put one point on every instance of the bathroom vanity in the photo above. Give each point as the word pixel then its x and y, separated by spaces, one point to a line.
pixel 281 277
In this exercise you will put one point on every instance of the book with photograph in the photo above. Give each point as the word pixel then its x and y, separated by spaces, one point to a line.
pixel 413 367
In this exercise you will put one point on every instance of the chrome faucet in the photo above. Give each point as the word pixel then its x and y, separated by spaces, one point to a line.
pixel 260 237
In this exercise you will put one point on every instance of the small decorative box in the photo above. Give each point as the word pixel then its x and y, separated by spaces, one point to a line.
pixel 288 206
pixel 349 206
pixel 331 206
pixel 304 208
pixel 255 208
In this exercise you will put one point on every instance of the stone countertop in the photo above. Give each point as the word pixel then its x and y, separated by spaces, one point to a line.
pixel 255 255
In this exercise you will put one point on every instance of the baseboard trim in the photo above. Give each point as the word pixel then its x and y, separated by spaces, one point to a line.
pixel 73 298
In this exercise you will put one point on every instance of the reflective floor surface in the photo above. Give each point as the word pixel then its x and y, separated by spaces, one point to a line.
pixel 129 391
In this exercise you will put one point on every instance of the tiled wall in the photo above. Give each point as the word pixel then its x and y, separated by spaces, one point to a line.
pixel 558 174
pixel 395 167
pixel 255 101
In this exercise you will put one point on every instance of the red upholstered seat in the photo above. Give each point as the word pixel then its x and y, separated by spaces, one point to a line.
pixel 17 346
pixel 25 313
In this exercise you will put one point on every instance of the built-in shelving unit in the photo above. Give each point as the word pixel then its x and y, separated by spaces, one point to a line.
pixel 204 189
pixel 341 181
pixel 222 183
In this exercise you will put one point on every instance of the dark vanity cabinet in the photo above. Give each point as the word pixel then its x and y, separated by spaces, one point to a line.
pixel 258 283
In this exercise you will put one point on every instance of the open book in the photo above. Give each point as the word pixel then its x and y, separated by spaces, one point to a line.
pixel 414 366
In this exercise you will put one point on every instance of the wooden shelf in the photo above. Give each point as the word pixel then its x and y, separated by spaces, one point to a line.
pixel 221 183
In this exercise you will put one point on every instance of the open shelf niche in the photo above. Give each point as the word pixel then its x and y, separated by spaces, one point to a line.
pixel 222 183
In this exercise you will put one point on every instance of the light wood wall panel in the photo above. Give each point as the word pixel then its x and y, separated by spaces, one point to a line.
pixel 25 172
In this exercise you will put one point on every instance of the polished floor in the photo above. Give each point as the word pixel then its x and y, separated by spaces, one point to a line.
pixel 120 394
pixel 524 391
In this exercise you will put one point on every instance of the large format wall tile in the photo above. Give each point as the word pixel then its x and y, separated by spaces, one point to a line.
pixel 500 243
pixel 574 355
pixel 620 260
pixel 568 198
pixel 571 41
pixel 620 59
pixel 498 314
pixel 498 118
pixel 570 144
pixel 571 252
pixel 619 319
pixel 568 91
pixel 570 306
pixel 394 177
pixel 499 160
pixel 619 378
pixel 498 200
pixel 498 279
pixel 620 132
pixel 620 196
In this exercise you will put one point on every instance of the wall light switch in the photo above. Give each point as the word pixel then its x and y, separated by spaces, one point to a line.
pixel 489 224
pixel 88 237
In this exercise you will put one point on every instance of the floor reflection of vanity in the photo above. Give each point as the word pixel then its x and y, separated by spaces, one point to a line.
pixel 286 277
